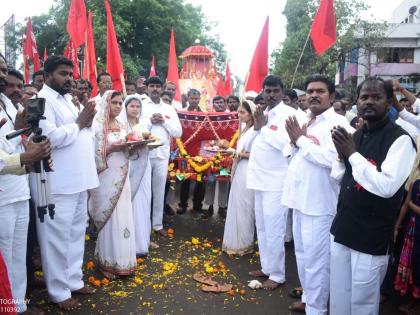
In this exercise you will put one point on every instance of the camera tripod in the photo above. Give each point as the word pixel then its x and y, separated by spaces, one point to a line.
pixel 35 111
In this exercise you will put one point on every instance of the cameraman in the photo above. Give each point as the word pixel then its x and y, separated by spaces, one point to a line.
pixel 14 206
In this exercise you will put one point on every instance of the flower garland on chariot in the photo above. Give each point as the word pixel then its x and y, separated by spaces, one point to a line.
pixel 183 166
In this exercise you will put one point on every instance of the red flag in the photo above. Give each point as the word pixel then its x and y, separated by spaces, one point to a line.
pixel 45 54
pixel 220 87
pixel 173 75
pixel 25 62
pixel 76 22
pixel 228 82
pixel 114 64
pixel 71 53
pixel 259 65
pixel 30 49
pixel 323 33
pixel 89 68
pixel 152 68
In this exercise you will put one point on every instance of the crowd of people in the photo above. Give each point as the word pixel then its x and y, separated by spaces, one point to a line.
pixel 309 167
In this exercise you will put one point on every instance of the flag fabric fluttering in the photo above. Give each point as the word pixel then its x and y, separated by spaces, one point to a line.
pixel 26 74
pixel 220 89
pixel 114 65
pixel 173 74
pixel 89 66
pixel 323 32
pixel 152 68
pixel 259 64
pixel 30 50
pixel 76 22
pixel 228 82
pixel 71 53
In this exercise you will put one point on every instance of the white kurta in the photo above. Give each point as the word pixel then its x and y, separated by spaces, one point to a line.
pixel 313 194
pixel 159 157
pixel 266 169
pixel 356 277
pixel 14 210
pixel 62 239
pixel 238 237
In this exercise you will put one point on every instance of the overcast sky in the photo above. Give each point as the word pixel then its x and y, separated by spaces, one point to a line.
pixel 239 22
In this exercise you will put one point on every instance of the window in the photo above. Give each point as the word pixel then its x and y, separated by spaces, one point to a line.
pixel 395 55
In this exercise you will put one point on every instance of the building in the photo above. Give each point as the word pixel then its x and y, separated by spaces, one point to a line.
pixel 397 54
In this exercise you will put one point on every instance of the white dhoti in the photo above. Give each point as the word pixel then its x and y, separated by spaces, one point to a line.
pixel 270 217
pixel 223 193
pixel 62 243
pixel 14 220
pixel 356 279
pixel 159 176
pixel 312 249
pixel 141 210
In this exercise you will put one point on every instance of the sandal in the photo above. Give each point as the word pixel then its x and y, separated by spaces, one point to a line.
pixel 199 277
pixel 217 288
pixel 296 293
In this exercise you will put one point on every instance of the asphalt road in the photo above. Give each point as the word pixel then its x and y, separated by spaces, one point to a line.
pixel 163 283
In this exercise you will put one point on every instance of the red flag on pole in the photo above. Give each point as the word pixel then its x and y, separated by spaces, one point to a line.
pixel 152 68
pixel 173 75
pixel 76 22
pixel 45 54
pixel 228 82
pixel 30 49
pixel 114 65
pixel 25 62
pixel 89 68
pixel 259 64
pixel 220 90
pixel 71 53
pixel 323 32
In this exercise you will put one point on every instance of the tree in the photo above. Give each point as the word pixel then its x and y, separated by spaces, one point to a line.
pixel 349 25
pixel 142 27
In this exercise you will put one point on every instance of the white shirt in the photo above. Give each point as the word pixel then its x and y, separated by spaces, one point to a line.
pixel 13 188
pixel 73 150
pixel 177 105
pixel 409 117
pixel 412 130
pixel 308 186
pixel 267 166
pixel 97 100
pixel 171 127
pixel 394 169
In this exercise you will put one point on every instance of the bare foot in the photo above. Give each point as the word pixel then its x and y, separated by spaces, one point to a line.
pixel 257 273
pixel 69 305
pixel 84 291
pixel 298 307
pixel 153 245
pixel 270 285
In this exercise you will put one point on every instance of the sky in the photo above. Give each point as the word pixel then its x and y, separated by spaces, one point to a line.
pixel 239 22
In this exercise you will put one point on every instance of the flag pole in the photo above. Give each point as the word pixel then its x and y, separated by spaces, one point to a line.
pixel 300 58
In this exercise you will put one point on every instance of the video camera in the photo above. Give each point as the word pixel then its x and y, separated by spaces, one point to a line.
pixel 34 112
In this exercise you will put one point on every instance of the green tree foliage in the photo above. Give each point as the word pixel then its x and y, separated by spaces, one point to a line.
pixel 349 25
pixel 142 27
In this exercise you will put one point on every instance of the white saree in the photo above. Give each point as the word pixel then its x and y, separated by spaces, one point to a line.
pixel 141 187
pixel 110 204
pixel 238 238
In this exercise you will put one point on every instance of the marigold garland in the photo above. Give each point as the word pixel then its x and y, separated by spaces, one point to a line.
pixel 196 162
